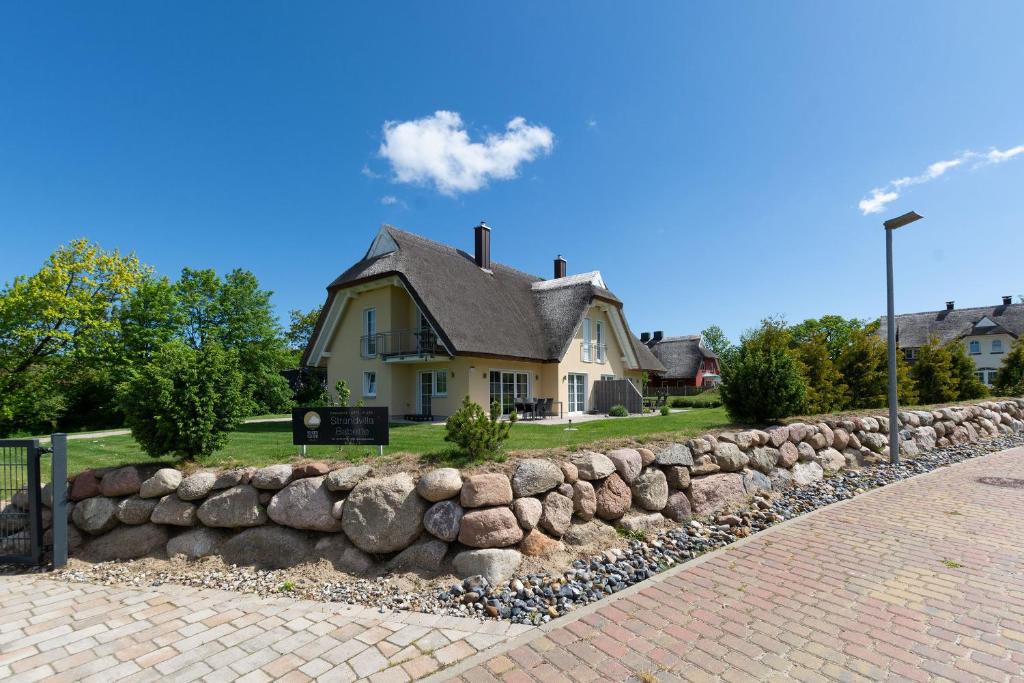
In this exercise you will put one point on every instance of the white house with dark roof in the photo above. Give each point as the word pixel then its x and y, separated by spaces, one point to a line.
pixel 987 332
pixel 416 325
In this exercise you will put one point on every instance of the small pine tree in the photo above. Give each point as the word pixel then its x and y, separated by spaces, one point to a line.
pixel 864 364
pixel 968 385
pixel 763 380
pixel 1010 379
pixel 479 436
pixel 933 373
pixel 825 389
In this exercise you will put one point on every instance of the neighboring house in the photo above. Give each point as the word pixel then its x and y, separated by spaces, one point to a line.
pixel 688 362
pixel 987 332
pixel 417 325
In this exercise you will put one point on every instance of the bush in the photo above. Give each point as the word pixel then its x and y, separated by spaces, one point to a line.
pixel 968 385
pixel 665 410
pixel 478 435
pixel 1010 379
pixel 618 411
pixel 709 399
pixel 184 401
pixel 764 380
pixel 933 373
pixel 864 365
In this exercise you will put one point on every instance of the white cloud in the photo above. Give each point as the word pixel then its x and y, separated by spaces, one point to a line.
pixel 369 172
pixel 880 196
pixel 591 123
pixel 388 200
pixel 437 150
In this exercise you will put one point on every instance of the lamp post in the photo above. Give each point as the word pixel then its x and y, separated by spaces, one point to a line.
pixel 894 434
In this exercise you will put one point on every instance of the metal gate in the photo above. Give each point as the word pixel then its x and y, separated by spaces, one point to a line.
pixel 21 508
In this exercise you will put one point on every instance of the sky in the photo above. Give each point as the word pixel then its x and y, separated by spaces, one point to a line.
pixel 717 162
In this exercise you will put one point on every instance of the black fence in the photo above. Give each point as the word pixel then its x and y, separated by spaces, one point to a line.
pixel 21 522
pixel 616 392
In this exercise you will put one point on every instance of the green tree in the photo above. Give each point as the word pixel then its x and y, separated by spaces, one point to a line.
pixel 763 381
pixel 1010 378
pixel 864 365
pixel 968 384
pixel 835 331
pixel 300 327
pixel 716 340
pixel 933 373
pixel 478 435
pixel 184 401
pixel 826 391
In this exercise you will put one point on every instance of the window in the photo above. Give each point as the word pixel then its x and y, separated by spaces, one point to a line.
pixel 586 357
pixel 599 333
pixel 997 346
pixel 975 348
pixel 441 383
pixel 369 332
pixel 607 378
pixel 910 354
pixel 992 376
pixel 981 376
pixel 370 384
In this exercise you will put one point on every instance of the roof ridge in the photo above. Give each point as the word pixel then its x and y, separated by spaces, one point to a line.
pixel 967 308
pixel 459 252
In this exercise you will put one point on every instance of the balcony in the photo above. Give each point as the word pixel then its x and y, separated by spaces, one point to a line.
pixel 401 346
pixel 593 352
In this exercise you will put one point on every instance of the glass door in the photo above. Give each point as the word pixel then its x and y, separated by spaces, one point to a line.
pixel 426 392
pixel 577 392
pixel 507 387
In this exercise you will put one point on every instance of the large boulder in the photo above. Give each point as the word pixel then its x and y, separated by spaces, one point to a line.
pixel 590 533
pixel 528 512
pixel 678 477
pixel 272 477
pixel 238 506
pixel 840 438
pixel 12 518
pixel 385 514
pixel 196 486
pixel 495 565
pixel 490 528
pixel 557 514
pixel 628 463
pixel 777 436
pixel 569 471
pixel 875 441
pixel 196 543
pixel 717 492
pixel 85 485
pixel 267 547
pixel 613 498
pixel 805 473
pixel 95 515
pixel 343 555
pixel 536 544
pixel 124 481
pixel 679 454
pixel 535 475
pixel 643 522
pixel 305 504
pixel 592 466
pixel 805 452
pixel 135 510
pixel 754 481
pixel 426 556
pixel 482 490
pixel 440 484
pixel 781 479
pixel 678 508
pixel 788 455
pixel 830 459
pixel 229 478
pixel 584 500
pixel 165 480
pixel 126 543
pixel 171 510
pixel 650 489
pixel 347 478
pixel 729 457
pixel 310 469
pixel 764 458
pixel 444 519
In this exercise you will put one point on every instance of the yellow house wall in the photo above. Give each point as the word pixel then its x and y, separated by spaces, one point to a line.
pixel 573 361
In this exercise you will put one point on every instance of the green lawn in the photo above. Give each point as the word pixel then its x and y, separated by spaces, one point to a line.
pixel 266 443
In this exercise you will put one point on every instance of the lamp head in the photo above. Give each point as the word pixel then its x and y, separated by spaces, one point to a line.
pixel 900 221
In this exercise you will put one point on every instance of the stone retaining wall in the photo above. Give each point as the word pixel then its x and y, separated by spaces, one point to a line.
pixel 282 515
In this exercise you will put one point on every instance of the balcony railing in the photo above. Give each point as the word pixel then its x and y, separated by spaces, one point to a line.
pixel 593 352
pixel 399 343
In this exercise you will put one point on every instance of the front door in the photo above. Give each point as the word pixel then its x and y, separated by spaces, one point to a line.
pixel 426 390
pixel 577 392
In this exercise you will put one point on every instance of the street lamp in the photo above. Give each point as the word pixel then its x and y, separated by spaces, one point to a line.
pixel 894 434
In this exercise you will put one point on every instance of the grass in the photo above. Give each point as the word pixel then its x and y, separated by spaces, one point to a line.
pixel 265 443
pixel 711 398
pixel 952 565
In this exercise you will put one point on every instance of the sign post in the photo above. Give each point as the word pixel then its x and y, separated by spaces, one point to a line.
pixel 334 426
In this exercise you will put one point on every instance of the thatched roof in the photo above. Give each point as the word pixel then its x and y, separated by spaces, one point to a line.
pixel 915 329
pixel 681 355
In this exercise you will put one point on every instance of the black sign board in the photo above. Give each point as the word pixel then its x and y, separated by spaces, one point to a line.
pixel 340 426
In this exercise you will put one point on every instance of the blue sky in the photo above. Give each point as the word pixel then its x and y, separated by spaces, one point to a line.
pixel 707 158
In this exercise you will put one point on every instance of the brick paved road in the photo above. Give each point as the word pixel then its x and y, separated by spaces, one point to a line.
pixel 922 580
pixel 57 631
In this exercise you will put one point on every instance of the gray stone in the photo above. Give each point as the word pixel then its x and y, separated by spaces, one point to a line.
pixel 678 477
pixel 226 480
pixel 535 475
pixel 876 442
pixel 267 547
pixel 777 436
pixel 343 555
pixel 13 518
pixel 135 510
pixel 440 484
pixel 196 543
pixel 781 479
pixel 495 565
pixel 754 481
pixel 163 481
pixel 490 528
pixel 95 515
pixel 830 459
pixel 196 486
pixel 697 446
pixel 650 489
pixel 764 458
pixel 729 457
pixel 557 514
pixel 124 481
pixel 648 522
pixel 384 515
pixel 444 519
pixel 347 478
pixel 171 510
pixel 805 473
pixel 588 533
pixel 338 508
pixel 126 543
pixel 679 454
pixel 528 512
pixel 592 466
pixel 273 477
pixel 235 507
pixel 628 463
pixel 425 556
pixel 678 508
pixel 482 490
pixel 565 490
pixel 584 500
pixel 717 492
pixel 805 452
pixel 305 504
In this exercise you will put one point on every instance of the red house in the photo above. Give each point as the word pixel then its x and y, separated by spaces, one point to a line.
pixel 687 361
